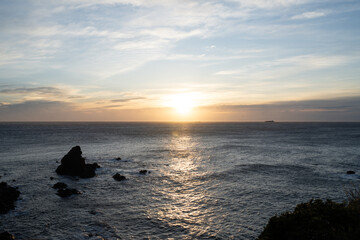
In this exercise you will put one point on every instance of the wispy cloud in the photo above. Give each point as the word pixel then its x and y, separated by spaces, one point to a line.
pixel 309 15
pixel 32 90
pixel 139 45
pixel 288 66
pixel 269 3
pixel 128 99
pixel 41 93
pixel 9 57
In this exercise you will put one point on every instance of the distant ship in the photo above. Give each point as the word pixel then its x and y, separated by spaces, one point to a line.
pixel 270 121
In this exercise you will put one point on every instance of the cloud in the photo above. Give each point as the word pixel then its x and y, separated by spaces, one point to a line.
pixel 64 111
pixel 42 93
pixel 290 66
pixel 269 3
pixel 139 45
pixel 146 3
pixel 112 106
pixel 150 31
pixel 37 111
pixel 339 109
pixel 346 104
pixel 32 90
pixel 69 31
pixel 9 57
pixel 314 61
pixel 309 15
pixel 128 99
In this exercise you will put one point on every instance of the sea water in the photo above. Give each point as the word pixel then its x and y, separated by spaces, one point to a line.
pixel 206 180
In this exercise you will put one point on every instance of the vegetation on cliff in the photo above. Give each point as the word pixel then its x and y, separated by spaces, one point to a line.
pixel 317 220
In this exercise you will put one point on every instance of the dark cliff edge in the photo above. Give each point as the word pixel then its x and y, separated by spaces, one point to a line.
pixel 316 220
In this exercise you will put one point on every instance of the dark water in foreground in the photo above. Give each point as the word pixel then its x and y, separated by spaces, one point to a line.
pixel 207 180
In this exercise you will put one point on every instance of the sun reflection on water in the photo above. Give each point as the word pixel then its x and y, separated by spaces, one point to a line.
pixel 184 201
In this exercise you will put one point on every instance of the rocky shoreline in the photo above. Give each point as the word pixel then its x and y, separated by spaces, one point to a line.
pixel 8 196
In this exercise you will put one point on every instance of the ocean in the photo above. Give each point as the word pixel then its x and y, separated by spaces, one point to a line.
pixel 206 180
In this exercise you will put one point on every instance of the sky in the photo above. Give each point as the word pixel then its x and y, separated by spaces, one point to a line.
pixel 179 60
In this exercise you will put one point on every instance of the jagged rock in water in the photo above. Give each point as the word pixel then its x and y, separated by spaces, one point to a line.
pixel 95 165
pixel 66 192
pixel 350 172
pixel 60 185
pixel 8 196
pixel 119 177
pixel 73 164
pixel 6 236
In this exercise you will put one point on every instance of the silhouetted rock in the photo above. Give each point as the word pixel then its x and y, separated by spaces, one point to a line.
pixel 66 192
pixel 96 165
pixel 144 172
pixel 51 178
pixel 350 172
pixel 8 195
pixel 6 236
pixel 119 177
pixel 73 164
pixel 118 158
pixel 92 212
pixel 60 185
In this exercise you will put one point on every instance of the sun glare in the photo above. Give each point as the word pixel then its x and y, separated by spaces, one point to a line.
pixel 182 103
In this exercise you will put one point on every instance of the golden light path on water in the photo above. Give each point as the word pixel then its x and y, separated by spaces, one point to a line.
pixel 185 202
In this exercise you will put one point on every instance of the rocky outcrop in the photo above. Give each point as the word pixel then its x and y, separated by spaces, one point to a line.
pixel 350 172
pixel 6 236
pixel 63 191
pixel 144 172
pixel 73 164
pixel 66 192
pixel 8 196
pixel 60 185
pixel 119 177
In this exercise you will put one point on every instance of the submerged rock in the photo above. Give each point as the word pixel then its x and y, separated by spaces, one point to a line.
pixel 119 177
pixel 66 192
pixel 350 172
pixel 60 185
pixel 73 164
pixel 8 196
pixel 144 172
pixel 6 236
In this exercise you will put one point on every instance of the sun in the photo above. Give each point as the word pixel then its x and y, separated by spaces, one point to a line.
pixel 182 103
